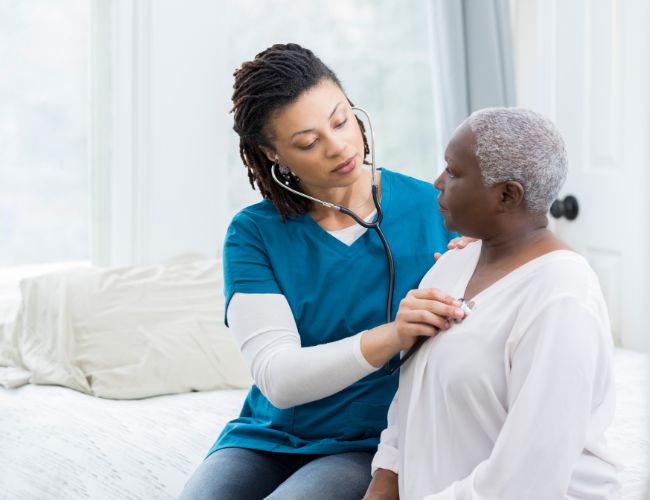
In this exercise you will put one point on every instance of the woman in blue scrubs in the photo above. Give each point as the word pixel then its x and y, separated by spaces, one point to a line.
pixel 306 288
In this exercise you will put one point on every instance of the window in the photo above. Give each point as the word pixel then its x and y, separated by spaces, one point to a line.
pixel 44 131
pixel 381 50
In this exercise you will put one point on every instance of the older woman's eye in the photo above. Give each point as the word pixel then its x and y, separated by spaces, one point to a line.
pixel 342 124
pixel 308 146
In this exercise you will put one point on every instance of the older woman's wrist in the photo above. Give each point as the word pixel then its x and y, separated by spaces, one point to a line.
pixel 384 486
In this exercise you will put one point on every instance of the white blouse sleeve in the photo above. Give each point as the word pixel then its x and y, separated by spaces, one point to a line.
pixel 287 373
pixel 557 369
pixel 387 455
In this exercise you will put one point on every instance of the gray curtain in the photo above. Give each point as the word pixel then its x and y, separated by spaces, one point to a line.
pixel 473 59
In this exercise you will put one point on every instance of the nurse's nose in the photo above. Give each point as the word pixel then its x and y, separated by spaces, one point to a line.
pixel 334 146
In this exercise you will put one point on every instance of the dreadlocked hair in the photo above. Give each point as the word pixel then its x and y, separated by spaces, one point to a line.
pixel 274 79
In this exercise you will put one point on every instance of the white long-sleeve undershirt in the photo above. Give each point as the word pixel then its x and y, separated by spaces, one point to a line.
pixel 287 373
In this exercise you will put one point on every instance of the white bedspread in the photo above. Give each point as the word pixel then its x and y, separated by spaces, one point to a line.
pixel 56 443
pixel 628 434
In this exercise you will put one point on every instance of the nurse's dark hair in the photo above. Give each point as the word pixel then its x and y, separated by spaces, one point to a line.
pixel 273 80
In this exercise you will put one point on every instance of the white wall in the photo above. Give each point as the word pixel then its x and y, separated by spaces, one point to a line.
pixel 170 103
pixel 586 65
pixel 175 176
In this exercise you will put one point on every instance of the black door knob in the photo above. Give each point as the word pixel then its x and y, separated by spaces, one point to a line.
pixel 568 207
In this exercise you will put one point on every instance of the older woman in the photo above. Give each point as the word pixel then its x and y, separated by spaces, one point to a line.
pixel 513 401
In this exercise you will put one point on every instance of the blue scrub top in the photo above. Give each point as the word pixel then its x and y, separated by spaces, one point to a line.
pixel 334 291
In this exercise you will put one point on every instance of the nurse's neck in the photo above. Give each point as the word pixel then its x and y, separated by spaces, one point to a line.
pixel 357 197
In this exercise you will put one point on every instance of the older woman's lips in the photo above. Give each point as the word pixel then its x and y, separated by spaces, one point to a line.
pixel 347 166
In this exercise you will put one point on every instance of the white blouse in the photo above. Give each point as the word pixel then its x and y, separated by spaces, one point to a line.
pixel 512 402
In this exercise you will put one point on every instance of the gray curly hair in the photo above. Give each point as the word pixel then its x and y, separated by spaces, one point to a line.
pixel 516 144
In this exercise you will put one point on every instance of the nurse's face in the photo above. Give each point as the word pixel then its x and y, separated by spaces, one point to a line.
pixel 466 204
pixel 319 139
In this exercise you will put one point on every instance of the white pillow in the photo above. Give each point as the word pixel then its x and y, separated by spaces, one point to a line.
pixel 10 301
pixel 130 332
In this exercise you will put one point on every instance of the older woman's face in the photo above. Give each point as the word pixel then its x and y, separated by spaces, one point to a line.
pixel 465 202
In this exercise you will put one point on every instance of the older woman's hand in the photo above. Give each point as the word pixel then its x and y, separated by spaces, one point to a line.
pixel 460 242
pixel 384 486
pixel 424 312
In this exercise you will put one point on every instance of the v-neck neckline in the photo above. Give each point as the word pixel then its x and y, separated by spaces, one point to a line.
pixel 510 278
pixel 332 241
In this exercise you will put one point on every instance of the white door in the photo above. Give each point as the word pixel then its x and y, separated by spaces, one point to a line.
pixel 586 64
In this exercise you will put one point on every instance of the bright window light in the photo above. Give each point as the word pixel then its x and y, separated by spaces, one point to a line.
pixel 44 131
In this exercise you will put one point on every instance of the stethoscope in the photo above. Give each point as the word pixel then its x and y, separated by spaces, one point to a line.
pixel 369 225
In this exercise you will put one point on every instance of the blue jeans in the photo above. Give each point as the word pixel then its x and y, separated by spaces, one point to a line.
pixel 242 474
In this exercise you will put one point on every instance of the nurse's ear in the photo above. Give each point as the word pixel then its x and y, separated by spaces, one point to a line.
pixel 270 154
pixel 275 159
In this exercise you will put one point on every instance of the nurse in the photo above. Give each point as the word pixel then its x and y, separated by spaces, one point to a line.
pixel 306 287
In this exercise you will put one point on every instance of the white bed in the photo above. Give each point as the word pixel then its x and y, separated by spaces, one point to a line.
pixel 129 333
pixel 57 443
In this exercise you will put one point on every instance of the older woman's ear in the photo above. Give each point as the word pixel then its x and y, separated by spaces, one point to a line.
pixel 512 196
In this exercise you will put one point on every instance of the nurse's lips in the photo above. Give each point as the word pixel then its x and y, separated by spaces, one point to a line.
pixel 441 207
pixel 346 166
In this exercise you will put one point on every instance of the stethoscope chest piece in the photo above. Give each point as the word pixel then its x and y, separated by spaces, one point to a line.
pixel 467 306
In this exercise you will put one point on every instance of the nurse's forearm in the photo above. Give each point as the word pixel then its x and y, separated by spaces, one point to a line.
pixel 290 375
pixel 287 373
pixel 380 344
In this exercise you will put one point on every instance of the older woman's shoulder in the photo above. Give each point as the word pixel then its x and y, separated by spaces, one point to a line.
pixel 565 262
pixel 565 273
pixel 451 265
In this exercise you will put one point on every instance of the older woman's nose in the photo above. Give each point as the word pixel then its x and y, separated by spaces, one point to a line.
pixel 438 183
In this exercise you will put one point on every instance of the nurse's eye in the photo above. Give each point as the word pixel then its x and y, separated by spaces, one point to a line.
pixel 449 173
pixel 308 146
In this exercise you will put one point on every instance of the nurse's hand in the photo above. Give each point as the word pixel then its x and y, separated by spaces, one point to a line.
pixel 460 242
pixel 424 312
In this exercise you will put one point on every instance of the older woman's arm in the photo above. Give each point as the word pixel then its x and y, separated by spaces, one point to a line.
pixel 385 464
pixel 383 486
pixel 559 375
